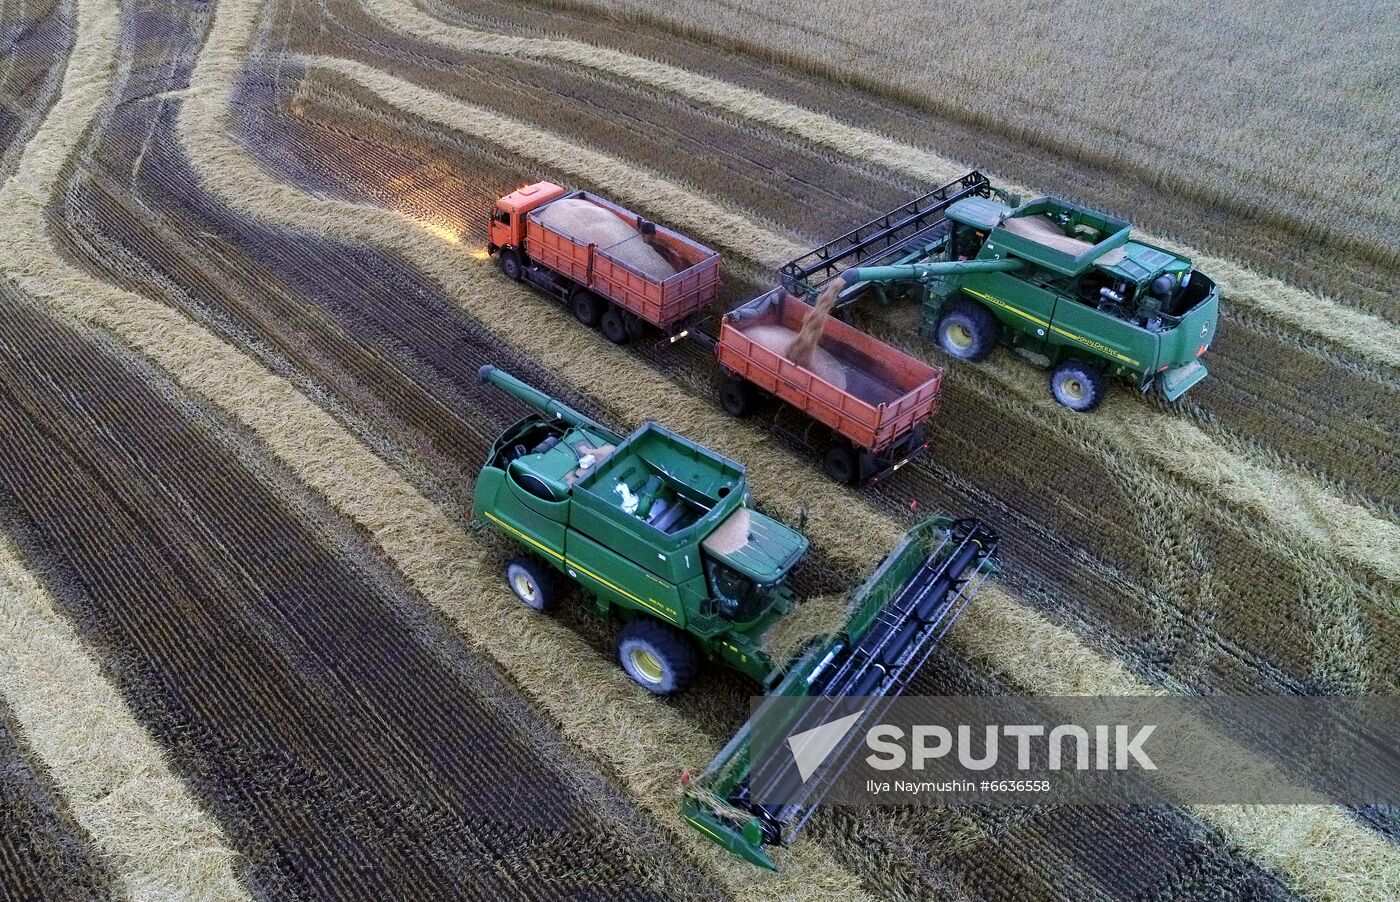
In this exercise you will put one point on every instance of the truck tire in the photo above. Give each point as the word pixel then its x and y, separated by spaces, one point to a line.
pixel 636 326
pixel 1077 385
pixel 736 397
pixel 659 658
pixel 968 331
pixel 532 582
pixel 841 463
pixel 587 308
pixel 510 265
pixel 614 325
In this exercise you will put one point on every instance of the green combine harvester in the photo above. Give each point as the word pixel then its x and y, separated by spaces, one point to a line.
pixel 1072 288
pixel 658 531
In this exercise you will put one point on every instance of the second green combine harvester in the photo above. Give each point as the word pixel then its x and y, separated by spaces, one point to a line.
pixel 1071 288
pixel 659 531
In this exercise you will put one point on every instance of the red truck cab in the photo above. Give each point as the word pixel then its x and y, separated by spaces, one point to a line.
pixel 508 218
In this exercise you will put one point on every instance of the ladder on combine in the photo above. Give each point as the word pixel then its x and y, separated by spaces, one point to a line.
pixel 899 616
pixel 907 231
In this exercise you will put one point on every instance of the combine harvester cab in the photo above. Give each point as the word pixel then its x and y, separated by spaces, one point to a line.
pixel 896 619
pixel 1072 287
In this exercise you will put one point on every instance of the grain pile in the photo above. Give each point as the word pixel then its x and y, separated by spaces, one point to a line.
pixel 587 222
pixel 781 339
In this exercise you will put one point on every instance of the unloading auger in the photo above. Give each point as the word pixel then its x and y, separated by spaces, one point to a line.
pixel 897 618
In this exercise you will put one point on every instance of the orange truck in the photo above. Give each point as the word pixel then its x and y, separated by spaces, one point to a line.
pixel 870 401
pixel 616 270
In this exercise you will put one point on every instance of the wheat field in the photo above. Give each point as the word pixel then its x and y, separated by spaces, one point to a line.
pixel 243 307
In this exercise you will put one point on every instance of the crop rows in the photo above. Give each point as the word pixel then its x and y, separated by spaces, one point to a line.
pixel 373 342
pixel 338 733
pixel 314 711
pixel 35 38
pixel 308 111
pixel 43 851
pixel 1249 171
pixel 582 105
pixel 1112 539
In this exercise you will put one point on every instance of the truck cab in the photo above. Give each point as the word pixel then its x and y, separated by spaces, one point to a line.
pixel 1087 296
pixel 507 226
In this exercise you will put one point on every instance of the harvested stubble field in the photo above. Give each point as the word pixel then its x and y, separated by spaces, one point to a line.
pixel 242 318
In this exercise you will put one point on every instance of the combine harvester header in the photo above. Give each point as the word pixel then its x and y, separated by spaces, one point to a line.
pixel 896 619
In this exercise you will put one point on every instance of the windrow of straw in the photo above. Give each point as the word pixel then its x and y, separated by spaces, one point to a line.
pixel 153 835
pixel 644 743
pixel 1033 651
pixel 1294 503
pixel 1367 335
pixel 155 838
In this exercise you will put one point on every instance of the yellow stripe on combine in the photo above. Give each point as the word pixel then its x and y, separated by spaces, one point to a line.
pixel 1088 342
pixel 506 526
pixel 1005 306
pixel 1096 345
pixel 650 604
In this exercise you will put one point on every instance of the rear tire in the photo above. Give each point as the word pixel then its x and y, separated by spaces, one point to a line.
pixel 532 582
pixel 1077 385
pixel 587 308
pixel 841 464
pixel 636 327
pixel 968 331
pixel 510 265
pixel 614 325
pixel 736 397
pixel 659 658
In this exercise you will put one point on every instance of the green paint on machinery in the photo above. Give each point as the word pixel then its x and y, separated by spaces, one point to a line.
pixel 658 530
pixel 1072 288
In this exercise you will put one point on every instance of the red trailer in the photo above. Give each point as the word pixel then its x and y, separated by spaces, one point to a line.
pixel 872 399
pixel 642 274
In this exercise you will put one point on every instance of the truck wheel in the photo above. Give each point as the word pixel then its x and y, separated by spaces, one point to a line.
pixel 968 331
pixel 841 464
pixel 737 397
pixel 660 658
pixel 1077 385
pixel 636 327
pixel 510 265
pixel 614 325
pixel 532 582
pixel 587 308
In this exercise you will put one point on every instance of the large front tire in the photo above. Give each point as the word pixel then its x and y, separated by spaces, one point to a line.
pixel 968 331
pixel 510 265
pixel 1077 385
pixel 659 658
pixel 532 582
